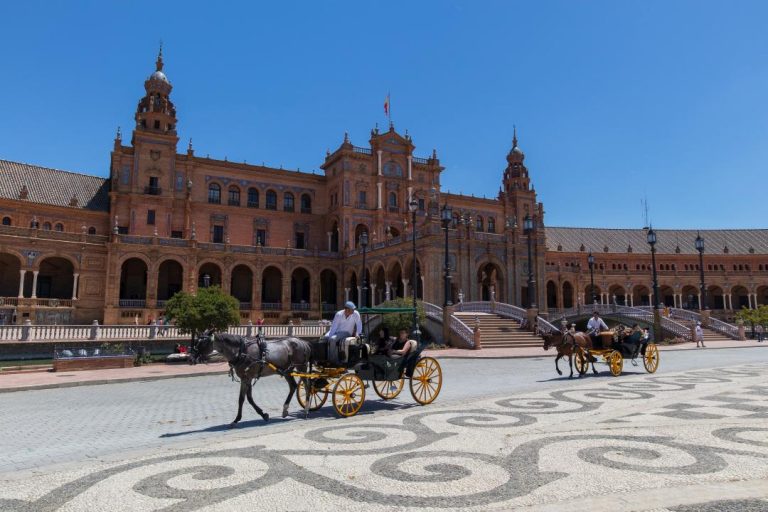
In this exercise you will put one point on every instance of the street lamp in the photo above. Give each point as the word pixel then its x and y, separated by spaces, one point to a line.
pixel 700 248
pixel 446 216
pixel 413 206
pixel 591 262
pixel 528 231
pixel 206 280
pixel 364 287
pixel 651 237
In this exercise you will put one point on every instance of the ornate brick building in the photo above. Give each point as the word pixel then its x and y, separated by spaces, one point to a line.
pixel 75 248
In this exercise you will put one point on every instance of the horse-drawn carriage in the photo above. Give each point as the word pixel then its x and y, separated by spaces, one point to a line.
pixel 343 376
pixel 616 345
pixel 345 379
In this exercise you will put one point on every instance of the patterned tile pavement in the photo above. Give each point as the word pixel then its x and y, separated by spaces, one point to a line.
pixel 688 441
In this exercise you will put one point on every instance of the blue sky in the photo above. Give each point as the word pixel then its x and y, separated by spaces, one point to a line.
pixel 613 101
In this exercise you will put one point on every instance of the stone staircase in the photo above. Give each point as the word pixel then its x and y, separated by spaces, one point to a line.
pixel 710 335
pixel 498 332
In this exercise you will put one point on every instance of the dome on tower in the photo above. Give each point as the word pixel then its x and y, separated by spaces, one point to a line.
pixel 159 75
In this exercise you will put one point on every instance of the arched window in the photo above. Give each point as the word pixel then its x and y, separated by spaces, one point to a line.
pixel 214 193
pixel 6 221
pixel 306 203
pixel 91 230
pixel 34 224
pixel 234 196
pixel 491 225
pixel 46 226
pixel 253 198
pixel 288 205
pixel 59 226
pixel 271 200
pixel 392 200
pixel 479 223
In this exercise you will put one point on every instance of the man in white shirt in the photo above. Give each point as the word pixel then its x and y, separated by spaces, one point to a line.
pixel 346 323
pixel 594 326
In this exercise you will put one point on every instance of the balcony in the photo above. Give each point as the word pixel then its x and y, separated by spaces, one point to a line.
pixel 271 306
pixel 245 306
pixel 153 191
pixel 132 303
pixel 300 306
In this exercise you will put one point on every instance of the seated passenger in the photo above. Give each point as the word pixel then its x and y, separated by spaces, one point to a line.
pixel 382 342
pixel 402 345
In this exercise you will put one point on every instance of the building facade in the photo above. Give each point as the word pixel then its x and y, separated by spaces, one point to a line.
pixel 286 244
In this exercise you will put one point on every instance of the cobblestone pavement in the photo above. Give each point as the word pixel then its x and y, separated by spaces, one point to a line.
pixel 687 440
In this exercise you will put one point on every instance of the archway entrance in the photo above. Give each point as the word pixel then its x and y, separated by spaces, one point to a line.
pixel 133 283
pixel 490 278
pixel 170 279
pixel 241 286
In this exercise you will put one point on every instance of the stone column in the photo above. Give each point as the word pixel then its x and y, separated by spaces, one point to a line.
pixel 359 296
pixel 21 283
pixel 388 290
pixel 701 306
pixel 34 283
pixel 626 299
pixel 410 167
pixel 74 286
pixel 405 289
pixel 378 155
pixel 373 294
pixel 329 240
pixel 410 195
pixel 346 294
pixel 378 196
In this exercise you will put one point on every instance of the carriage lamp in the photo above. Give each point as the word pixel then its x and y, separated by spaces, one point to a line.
pixel 700 248
pixel 206 281
pixel 364 284
pixel 528 231
pixel 651 237
pixel 591 261
pixel 446 216
pixel 413 205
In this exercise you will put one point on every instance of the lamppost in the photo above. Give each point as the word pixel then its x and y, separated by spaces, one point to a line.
pixel 700 248
pixel 446 216
pixel 651 237
pixel 591 262
pixel 528 231
pixel 364 288
pixel 206 280
pixel 413 206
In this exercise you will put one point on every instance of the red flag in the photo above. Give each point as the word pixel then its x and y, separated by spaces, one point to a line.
pixel 386 105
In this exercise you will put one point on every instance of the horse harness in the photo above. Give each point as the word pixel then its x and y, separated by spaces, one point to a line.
pixel 242 357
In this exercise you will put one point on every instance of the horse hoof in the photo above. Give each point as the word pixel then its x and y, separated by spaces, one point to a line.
pixel 232 425
pixel 266 417
pixel 285 413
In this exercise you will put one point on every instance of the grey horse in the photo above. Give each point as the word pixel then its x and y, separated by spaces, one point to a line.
pixel 252 358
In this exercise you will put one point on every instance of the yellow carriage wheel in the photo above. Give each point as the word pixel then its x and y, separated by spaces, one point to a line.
pixel 615 363
pixel 317 396
pixel 651 358
pixel 388 389
pixel 426 381
pixel 348 395
pixel 581 361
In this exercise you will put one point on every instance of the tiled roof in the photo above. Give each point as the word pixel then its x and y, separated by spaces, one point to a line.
pixel 669 241
pixel 52 186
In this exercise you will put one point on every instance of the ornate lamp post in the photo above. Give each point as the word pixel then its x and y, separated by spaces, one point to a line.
pixel 206 280
pixel 651 237
pixel 700 248
pixel 591 262
pixel 446 217
pixel 528 231
pixel 413 206
pixel 364 285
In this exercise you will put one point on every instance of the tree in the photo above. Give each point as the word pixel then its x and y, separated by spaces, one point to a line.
pixel 210 308
pixel 396 321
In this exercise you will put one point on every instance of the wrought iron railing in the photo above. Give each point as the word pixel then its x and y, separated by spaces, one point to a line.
pixel 545 327
pixel 462 330
pixel 271 306
pixel 132 303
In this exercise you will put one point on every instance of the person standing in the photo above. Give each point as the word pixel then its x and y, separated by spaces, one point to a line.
pixel 759 330
pixel 346 323
pixel 699 333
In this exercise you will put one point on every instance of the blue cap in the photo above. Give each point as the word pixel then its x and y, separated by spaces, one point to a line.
pixel 349 304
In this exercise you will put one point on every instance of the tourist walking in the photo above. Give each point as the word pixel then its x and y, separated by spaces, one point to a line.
pixel 699 334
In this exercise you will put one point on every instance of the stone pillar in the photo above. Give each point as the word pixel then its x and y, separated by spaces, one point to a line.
pixel 725 301
pixel 74 286
pixel 359 297
pixel 730 302
pixel 626 299
pixel 388 290
pixel 21 283
pixel 94 330
pixel 346 294
pixel 410 195
pixel 379 205
pixel 329 240
pixel 34 283
pixel 410 168
pixel 373 294
pixel 26 328
pixel 378 156
pixel 477 340
pixel 405 288
pixel 631 300
pixel 701 306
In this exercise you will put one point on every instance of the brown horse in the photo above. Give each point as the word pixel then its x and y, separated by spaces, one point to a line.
pixel 570 344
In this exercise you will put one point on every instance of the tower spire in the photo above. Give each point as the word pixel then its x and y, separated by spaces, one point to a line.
pixel 159 62
pixel 514 136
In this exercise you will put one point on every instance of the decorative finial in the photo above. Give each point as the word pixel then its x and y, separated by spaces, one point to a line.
pixel 119 135
pixel 346 138
pixel 159 62
pixel 514 136
pixel 434 154
pixel 189 146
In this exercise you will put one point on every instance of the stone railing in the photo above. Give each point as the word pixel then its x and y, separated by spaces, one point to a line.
pixel 509 311
pixel 545 327
pixel 463 331
pixel 132 303
pixel 96 332
pixel 475 307
pixel 433 311
pixel 28 301
pixel 724 328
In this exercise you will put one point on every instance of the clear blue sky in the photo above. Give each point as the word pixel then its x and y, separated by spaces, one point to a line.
pixel 613 101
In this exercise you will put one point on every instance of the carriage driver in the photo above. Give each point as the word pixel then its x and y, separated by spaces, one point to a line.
pixel 346 323
pixel 594 326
